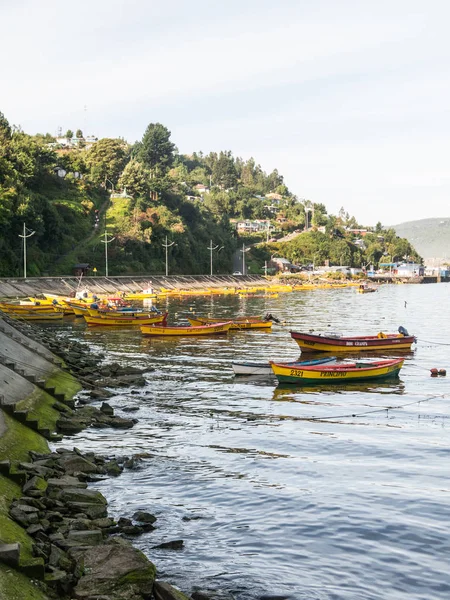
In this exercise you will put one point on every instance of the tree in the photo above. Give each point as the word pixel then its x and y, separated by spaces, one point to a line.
pixel 106 160
pixel 156 151
pixel 224 172
pixel 79 134
pixel 5 128
pixel 136 179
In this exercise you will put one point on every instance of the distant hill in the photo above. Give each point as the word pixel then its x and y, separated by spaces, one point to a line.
pixel 430 237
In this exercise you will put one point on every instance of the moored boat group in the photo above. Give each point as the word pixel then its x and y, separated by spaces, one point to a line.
pixel 117 311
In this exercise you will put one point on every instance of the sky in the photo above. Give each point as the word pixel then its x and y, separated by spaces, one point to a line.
pixel 348 99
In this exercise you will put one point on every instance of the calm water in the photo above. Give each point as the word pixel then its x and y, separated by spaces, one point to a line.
pixel 320 493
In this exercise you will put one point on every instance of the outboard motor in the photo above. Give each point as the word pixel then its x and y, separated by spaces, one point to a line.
pixel 402 331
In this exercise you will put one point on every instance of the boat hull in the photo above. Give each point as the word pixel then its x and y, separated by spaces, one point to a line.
pixel 352 372
pixel 213 329
pixel 235 323
pixel 37 316
pixel 317 343
pixel 253 368
pixel 126 321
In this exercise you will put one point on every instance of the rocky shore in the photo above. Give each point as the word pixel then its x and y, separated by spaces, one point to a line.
pixel 56 538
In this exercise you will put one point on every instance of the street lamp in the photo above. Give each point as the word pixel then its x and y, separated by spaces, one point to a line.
pixel 167 246
pixel 307 209
pixel 112 185
pixel 211 248
pixel 106 242
pixel 24 236
pixel 244 250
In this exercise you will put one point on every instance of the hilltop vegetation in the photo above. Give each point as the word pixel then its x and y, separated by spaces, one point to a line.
pixel 430 237
pixel 62 193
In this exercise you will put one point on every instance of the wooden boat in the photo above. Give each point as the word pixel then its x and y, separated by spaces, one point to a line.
pixel 125 321
pixel 213 329
pixel 236 323
pixel 37 316
pixel 265 368
pixel 337 373
pixel 309 342
pixel 365 289
pixel 28 307
pixel 142 295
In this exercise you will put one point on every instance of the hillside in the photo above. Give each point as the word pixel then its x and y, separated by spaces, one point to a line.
pixel 430 237
pixel 161 211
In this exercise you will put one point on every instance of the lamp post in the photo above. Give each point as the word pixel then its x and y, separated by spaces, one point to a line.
pixel 24 236
pixel 167 246
pixel 106 242
pixel 244 250
pixel 307 209
pixel 211 248
pixel 112 185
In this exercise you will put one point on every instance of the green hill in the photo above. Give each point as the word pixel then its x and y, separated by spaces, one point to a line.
pixel 430 237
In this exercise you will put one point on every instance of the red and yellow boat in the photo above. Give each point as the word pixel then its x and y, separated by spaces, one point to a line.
pixel 309 342
pixel 213 329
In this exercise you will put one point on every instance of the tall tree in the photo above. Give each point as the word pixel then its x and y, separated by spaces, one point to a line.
pixel 106 160
pixel 79 134
pixel 135 179
pixel 69 134
pixel 156 151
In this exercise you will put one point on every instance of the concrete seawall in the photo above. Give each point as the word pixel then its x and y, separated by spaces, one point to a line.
pixel 31 286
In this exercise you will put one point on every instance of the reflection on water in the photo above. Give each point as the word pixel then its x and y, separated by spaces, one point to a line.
pixel 330 491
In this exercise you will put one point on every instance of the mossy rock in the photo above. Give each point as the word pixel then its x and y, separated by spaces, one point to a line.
pixel 64 383
pixel 40 406
pixel 18 440
pixel 16 586
pixel 10 531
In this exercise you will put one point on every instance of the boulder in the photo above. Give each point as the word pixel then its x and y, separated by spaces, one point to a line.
pixel 144 517
pixel 165 591
pixel 81 495
pixel 117 571
pixel 10 554
pixel 92 537
pixel 77 464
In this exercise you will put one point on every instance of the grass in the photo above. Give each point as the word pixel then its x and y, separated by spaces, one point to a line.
pixel 64 383
pixel 18 440
pixel 15 586
pixel 10 531
pixel 40 407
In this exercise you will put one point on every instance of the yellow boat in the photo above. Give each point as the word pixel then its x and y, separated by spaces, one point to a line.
pixel 111 312
pixel 213 329
pixel 237 323
pixel 142 295
pixel 108 321
pixel 25 308
pixel 37 316
pixel 337 373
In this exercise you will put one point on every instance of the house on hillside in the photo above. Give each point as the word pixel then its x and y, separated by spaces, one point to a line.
pixel 201 189
pixel 81 269
pixel 255 226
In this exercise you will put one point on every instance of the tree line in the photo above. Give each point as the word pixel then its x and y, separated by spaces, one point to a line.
pixel 191 199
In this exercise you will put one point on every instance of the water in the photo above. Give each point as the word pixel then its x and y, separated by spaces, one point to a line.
pixel 321 493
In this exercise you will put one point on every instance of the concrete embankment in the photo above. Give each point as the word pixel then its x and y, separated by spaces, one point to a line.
pixel 32 286
pixel 56 539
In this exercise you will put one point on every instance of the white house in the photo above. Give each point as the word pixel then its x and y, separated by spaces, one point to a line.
pixel 410 270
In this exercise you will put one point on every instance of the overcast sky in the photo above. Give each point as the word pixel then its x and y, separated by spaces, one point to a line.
pixel 348 99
